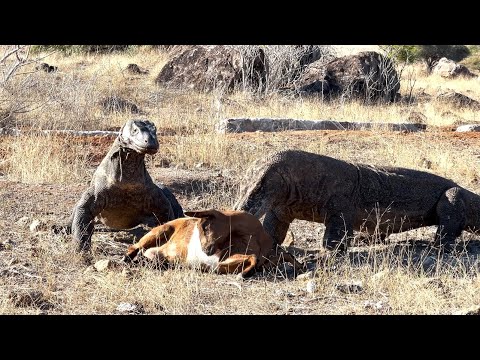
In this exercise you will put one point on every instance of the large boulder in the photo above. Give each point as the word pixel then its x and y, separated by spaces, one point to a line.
pixel 368 76
pixel 205 68
pixel 450 69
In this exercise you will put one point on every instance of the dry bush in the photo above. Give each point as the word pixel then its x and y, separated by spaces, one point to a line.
pixel 44 159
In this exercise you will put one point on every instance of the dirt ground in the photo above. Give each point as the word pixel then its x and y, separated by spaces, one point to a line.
pixel 23 252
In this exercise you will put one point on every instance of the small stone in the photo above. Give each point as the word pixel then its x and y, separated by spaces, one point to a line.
pixel 199 165
pixel 90 269
pixel 305 276
pixel 350 287
pixel 369 304
pixel 37 225
pixel 239 277
pixel 23 221
pixel 105 264
pixel 311 286
pixel 129 308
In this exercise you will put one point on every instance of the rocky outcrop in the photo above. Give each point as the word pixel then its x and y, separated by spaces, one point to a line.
pixel 116 103
pixel 237 125
pixel 450 69
pixel 458 100
pixel 205 68
pixel 367 76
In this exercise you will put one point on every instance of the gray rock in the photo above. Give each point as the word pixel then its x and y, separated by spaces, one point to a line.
pixel 305 276
pixel 469 127
pixel 238 125
pixel 129 308
pixel 450 69
pixel 105 264
pixel 23 221
pixel 37 225
pixel 458 100
pixel 311 286
pixel 350 287
pixel 367 76
pixel 204 68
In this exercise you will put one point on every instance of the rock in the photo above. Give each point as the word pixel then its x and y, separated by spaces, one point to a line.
pixel 7 244
pixel 369 304
pixel 135 69
pixel 469 127
pixel 37 225
pixel 450 69
pixel 45 67
pixel 204 68
pixel 23 221
pixel 311 286
pixel 90 269
pixel 128 308
pixel 116 103
pixel 305 276
pixel 102 265
pixel 417 117
pixel 289 239
pixel 238 125
pixel 33 298
pixel 350 287
pixel 367 76
pixel 458 100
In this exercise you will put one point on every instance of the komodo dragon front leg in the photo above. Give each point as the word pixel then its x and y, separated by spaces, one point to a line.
pixel 276 224
pixel 83 216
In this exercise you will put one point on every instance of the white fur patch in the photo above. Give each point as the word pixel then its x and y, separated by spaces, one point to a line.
pixel 195 254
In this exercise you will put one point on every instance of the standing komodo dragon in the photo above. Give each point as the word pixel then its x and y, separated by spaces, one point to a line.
pixel 345 197
pixel 122 194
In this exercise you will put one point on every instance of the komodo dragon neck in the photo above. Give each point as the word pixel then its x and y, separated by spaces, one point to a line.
pixel 125 165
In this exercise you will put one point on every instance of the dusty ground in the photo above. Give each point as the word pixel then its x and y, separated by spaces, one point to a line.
pixel 37 277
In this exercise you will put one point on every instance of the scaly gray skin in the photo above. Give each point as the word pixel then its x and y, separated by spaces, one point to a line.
pixel 345 197
pixel 122 194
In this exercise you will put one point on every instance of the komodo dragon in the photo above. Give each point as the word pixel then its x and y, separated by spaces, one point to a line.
pixel 122 194
pixel 344 196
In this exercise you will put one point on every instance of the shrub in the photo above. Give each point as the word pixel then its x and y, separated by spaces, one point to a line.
pixel 81 49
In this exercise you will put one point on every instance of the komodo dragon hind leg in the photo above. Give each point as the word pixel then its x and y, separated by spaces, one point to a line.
pixel 451 212
pixel 176 207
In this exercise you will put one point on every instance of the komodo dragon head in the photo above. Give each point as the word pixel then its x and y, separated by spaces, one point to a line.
pixel 140 136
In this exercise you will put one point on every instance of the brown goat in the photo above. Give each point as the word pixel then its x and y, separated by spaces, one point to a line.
pixel 222 241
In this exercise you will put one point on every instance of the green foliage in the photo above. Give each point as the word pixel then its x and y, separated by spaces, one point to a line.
pixel 401 53
pixel 432 53
pixel 81 49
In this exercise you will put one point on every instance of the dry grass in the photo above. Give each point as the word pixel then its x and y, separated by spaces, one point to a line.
pixel 393 282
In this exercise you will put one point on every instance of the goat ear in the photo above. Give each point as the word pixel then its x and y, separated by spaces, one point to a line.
pixel 202 213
